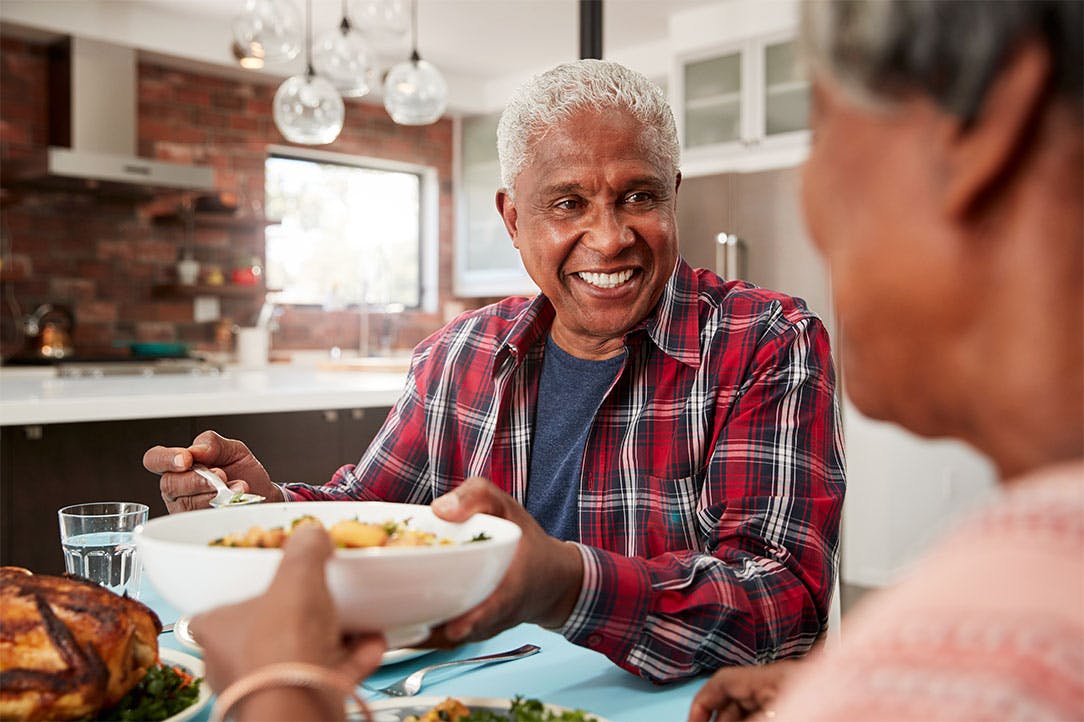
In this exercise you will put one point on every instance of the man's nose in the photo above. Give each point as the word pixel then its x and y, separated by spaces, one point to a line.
pixel 606 233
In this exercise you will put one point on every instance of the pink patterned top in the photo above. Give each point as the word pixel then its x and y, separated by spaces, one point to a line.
pixel 988 627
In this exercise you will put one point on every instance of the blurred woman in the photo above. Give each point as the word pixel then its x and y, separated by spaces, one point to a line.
pixel 944 186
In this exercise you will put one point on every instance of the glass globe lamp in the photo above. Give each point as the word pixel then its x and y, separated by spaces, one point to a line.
pixel 344 57
pixel 388 17
pixel 415 92
pixel 308 110
pixel 269 30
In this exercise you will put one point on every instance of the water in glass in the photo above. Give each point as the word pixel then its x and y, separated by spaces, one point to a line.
pixel 98 543
pixel 108 558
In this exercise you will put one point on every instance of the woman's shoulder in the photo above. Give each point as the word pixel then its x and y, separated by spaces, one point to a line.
pixel 989 625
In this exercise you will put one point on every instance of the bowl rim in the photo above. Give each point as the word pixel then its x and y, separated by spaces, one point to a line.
pixel 512 535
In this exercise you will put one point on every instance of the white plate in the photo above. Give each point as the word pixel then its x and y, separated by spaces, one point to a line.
pixel 398 708
pixel 184 635
pixel 195 668
pixel 402 654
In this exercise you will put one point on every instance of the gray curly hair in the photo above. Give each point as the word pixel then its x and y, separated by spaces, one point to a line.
pixel 951 50
pixel 547 99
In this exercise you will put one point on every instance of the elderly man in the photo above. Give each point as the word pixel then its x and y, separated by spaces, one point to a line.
pixel 969 232
pixel 667 440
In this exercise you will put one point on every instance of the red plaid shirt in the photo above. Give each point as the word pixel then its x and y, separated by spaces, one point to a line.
pixel 712 483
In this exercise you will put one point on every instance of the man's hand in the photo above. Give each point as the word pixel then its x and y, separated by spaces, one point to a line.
pixel 184 490
pixel 540 586
pixel 293 621
pixel 739 693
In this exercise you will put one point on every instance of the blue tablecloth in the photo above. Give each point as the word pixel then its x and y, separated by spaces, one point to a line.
pixel 561 674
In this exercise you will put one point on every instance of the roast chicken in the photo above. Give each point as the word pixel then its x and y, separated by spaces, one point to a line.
pixel 69 648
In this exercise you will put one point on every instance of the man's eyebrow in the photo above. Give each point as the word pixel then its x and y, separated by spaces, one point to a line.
pixel 559 189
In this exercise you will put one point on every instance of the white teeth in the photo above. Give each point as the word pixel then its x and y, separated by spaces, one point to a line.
pixel 606 280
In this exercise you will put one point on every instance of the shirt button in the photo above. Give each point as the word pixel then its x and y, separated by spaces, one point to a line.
pixel 594 640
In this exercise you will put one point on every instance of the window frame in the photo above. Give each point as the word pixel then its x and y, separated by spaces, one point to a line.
pixel 428 210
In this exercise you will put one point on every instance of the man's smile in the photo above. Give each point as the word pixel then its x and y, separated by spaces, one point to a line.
pixel 606 280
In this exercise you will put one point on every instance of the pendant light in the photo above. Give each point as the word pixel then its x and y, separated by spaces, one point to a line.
pixel 414 91
pixel 343 56
pixel 268 31
pixel 307 109
pixel 384 22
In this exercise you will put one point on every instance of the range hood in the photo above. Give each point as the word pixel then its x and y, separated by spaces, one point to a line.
pixel 92 128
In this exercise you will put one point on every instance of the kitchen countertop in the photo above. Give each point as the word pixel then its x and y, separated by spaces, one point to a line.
pixel 38 396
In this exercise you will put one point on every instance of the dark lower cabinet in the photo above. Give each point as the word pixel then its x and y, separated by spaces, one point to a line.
pixel 303 446
pixel 50 466
pixel 45 467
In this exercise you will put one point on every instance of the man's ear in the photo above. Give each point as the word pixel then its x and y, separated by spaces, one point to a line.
pixel 982 154
pixel 507 208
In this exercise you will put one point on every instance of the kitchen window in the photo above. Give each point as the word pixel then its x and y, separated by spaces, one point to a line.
pixel 351 231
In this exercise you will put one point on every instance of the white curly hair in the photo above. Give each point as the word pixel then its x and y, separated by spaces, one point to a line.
pixel 547 99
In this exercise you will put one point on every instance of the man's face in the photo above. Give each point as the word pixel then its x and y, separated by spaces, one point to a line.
pixel 872 194
pixel 595 221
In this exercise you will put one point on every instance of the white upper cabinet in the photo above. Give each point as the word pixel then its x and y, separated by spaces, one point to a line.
pixel 740 97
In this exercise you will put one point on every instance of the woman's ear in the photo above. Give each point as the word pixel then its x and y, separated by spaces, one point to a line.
pixel 507 208
pixel 982 154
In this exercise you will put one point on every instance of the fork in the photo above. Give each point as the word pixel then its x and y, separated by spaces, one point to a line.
pixel 411 684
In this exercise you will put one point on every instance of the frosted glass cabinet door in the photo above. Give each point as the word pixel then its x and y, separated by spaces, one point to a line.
pixel 786 92
pixel 713 106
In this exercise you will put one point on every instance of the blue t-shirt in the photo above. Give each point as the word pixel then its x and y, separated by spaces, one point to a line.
pixel 569 393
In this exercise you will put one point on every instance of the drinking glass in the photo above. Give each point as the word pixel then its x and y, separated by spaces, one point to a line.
pixel 98 543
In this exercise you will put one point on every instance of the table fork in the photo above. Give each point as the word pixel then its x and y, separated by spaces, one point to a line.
pixel 412 683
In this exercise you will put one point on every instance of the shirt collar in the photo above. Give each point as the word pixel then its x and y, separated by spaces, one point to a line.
pixel 673 325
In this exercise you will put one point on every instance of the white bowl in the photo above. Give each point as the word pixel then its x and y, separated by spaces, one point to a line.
pixel 399 591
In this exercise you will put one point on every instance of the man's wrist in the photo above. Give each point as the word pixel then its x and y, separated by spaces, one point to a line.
pixel 569 583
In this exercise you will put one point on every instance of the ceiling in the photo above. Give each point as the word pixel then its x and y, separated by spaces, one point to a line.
pixel 482 46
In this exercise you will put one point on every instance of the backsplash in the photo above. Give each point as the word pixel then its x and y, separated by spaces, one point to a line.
pixel 112 262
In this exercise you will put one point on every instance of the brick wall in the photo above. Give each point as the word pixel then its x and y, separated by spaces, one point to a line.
pixel 108 258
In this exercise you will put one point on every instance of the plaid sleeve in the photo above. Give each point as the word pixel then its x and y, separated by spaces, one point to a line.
pixel 394 467
pixel 768 518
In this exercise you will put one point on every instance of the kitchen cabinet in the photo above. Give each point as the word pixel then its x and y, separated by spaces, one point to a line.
pixel 302 445
pixel 47 466
pixel 741 106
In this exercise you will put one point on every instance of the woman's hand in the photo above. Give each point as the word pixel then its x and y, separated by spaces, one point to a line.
pixel 293 621
pixel 739 693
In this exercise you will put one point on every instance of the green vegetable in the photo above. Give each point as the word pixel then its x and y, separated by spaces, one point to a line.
pixel 480 536
pixel 528 710
pixel 239 496
pixel 162 693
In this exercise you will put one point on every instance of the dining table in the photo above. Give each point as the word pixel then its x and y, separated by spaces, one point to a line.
pixel 562 674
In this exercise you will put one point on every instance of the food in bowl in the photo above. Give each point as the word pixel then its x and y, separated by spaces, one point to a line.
pixel 345 534
pixel 68 647
pixel 400 591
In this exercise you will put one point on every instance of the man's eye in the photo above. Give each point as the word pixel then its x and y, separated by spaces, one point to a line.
pixel 638 197
pixel 568 204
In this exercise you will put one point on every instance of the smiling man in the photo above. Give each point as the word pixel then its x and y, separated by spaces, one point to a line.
pixel 666 439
